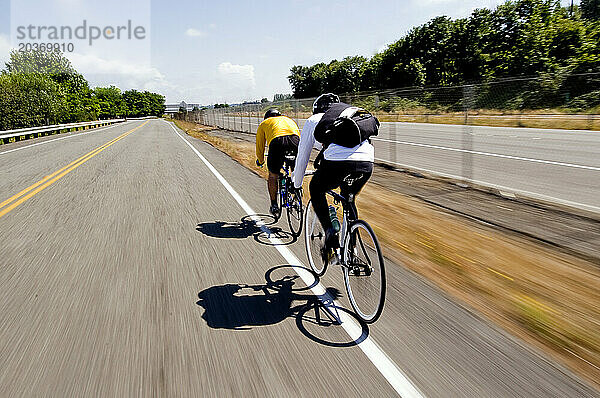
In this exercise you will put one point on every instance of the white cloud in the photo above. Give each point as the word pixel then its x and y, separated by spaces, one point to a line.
pixel 102 72
pixel 242 75
pixel 96 65
pixel 194 33
pixel 231 83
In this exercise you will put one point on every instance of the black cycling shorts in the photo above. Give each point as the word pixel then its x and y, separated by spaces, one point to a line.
pixel 278 147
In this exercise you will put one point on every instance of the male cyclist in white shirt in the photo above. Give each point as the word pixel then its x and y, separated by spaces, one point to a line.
pixel 338 162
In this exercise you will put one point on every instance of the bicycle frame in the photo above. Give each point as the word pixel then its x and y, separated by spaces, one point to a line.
pixel 338 198
pixel 283 192
pixel 355 259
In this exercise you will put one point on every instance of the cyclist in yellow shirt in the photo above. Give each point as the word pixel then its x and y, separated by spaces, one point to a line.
pixel 282 135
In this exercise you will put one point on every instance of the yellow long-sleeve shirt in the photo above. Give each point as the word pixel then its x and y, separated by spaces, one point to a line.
pixel 270 128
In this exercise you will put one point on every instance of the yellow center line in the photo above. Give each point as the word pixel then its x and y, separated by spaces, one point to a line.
pixel 466 259
pixel 531 300
pixel 424 244
pixel 403 247
pixel 423 236
pixel 23 192
pixel 7 201
pixel 500 274
pixel 57 175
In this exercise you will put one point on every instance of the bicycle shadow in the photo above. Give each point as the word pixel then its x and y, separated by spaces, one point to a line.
pixel 247 227
pixel 237 306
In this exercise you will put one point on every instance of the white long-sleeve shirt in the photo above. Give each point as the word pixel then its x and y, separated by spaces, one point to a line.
pixel 364 152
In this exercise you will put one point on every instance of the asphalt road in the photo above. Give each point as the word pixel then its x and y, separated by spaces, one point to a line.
pixel 136 271
pixel 560 166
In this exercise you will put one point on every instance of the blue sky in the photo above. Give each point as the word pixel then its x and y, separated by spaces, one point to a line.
pixel 229 51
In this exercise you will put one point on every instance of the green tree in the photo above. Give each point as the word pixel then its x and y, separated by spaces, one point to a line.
pixel 37 88
pixel 308 81
pixel 344 76
pixel 41 62
pixel 590 9
pixel 517 38
pixel 74 87
pixel 28 100
pixel 110 102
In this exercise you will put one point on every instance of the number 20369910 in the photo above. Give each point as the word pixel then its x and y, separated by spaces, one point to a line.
pixel 56 47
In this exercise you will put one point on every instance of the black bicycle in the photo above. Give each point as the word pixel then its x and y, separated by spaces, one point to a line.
pixel 359 255
pixel 290 198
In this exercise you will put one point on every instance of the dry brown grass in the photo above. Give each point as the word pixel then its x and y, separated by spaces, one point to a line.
pixel 548 298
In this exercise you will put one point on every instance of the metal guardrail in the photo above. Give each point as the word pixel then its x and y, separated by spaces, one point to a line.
pixel 7 134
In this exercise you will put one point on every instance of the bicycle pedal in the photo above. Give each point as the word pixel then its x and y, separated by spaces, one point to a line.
pixel 331 257
pixel 335 260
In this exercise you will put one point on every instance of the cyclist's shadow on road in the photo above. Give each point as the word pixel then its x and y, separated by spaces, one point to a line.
pixel 246 228
pixel 243 307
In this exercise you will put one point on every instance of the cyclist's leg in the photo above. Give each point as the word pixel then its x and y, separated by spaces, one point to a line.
pixel 274 164
pixel 272 186
pixel 328 176
pixel 322 181
pixel 363 171
pixel 292 142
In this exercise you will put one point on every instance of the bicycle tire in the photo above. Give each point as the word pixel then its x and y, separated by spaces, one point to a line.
pixel 314 239
pixel 361 276
pixel 295 212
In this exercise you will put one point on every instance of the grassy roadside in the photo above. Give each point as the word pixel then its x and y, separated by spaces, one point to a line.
pixel 547 298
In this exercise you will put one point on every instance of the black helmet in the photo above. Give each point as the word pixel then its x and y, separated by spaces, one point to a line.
pixel 324 102
pixel 272 113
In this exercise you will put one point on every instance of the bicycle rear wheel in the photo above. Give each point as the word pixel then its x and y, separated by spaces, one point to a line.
pixel 314 239
pixel 295 211
pixel 364 271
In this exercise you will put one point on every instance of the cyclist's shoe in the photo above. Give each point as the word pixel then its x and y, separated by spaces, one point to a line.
pixel 332 239
pixel 274 210
pixel 329 256
pixel 329 251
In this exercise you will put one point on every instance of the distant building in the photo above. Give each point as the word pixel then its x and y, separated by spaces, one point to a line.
pixel 174 108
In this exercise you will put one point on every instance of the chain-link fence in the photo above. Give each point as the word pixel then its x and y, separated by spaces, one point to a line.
pixel 472 132
pixel 572 103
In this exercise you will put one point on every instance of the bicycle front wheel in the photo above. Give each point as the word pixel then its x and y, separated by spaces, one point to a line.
pixel 364 271
pixel 295 211
pixel 314 239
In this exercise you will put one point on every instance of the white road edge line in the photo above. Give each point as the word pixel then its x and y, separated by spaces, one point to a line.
pixel 497 155
pixel 397 379
pixel 60 138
